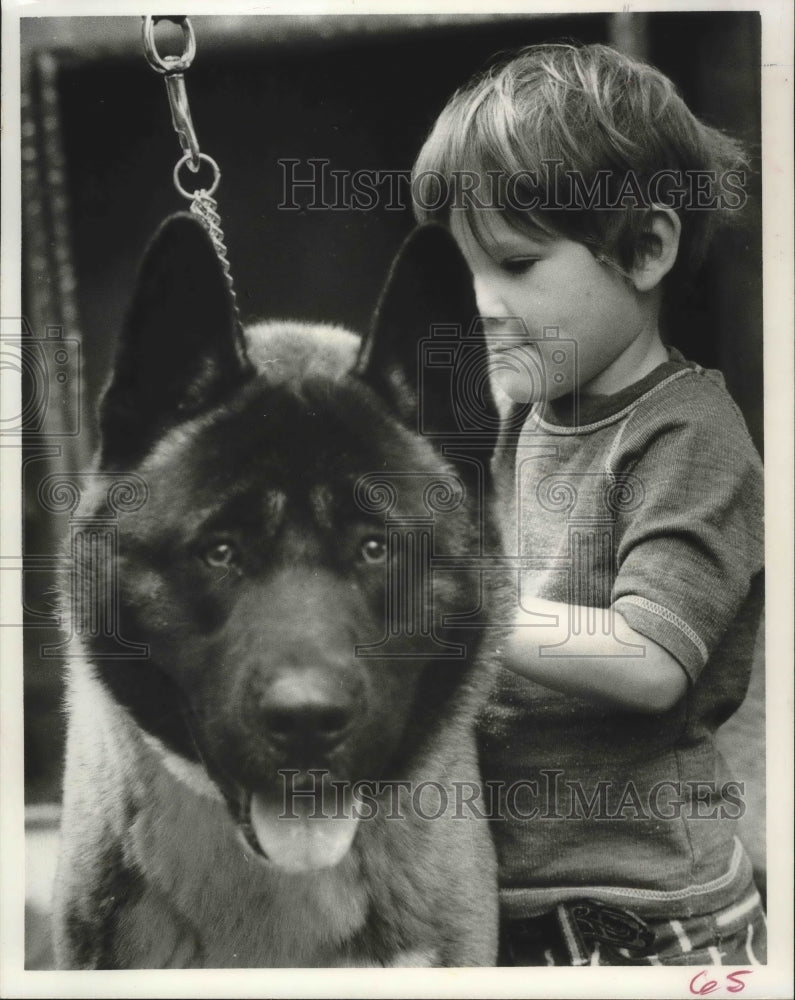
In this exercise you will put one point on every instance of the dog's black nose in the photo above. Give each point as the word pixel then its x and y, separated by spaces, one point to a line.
pixel 306 712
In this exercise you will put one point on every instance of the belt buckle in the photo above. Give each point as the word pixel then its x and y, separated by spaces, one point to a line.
pixel 594 922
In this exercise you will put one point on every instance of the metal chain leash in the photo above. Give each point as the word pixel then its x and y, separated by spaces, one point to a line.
pixel 202 203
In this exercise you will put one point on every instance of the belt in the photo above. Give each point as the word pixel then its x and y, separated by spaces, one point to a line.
pixel 573 933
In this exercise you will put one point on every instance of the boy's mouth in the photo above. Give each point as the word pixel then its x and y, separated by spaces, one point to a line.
pixel 516 349
pixel 502 347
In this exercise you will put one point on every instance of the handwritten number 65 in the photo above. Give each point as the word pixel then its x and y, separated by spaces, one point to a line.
pixel 733 983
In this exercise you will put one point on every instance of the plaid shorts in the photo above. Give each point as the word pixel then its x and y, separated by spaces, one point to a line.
pixel 587 932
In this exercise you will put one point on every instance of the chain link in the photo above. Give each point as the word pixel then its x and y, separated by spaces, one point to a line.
pixel 202 203
pixel 205 208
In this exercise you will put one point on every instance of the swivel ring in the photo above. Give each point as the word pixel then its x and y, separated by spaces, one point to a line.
pixel 169 64
pixel 216 177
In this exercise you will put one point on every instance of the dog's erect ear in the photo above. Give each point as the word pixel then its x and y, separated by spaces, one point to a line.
pixel 425 353
pixel 181 348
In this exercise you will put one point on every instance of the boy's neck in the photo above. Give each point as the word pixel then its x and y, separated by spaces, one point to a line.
pixel 583 410
pixel 642 356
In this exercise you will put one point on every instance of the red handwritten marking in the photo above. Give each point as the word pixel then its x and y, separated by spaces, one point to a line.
pixel 710 985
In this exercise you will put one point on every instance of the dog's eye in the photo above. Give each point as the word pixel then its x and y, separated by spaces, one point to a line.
pixel 219 554
pixel 374 549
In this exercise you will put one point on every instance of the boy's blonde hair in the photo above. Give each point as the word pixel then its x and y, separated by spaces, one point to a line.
pixel 580 142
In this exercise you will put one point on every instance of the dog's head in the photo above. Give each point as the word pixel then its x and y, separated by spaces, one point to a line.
pixel 299 483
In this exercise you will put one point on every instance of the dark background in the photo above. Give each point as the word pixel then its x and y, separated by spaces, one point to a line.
pixel 361 92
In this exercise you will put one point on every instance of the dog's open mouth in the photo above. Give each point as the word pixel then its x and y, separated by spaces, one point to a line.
pixel 299 836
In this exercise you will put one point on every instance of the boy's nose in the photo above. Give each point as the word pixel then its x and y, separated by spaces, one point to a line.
pixel 489 300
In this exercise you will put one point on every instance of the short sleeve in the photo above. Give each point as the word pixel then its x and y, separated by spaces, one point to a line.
pixel 686 556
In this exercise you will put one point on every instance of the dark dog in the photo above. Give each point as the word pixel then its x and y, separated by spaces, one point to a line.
pixel 248 794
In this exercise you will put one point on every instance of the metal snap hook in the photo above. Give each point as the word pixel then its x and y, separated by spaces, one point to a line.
pixel 168 64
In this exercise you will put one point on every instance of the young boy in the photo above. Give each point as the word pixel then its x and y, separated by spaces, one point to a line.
pixel 579 187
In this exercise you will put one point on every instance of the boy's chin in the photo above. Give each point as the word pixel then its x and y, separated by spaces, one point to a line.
pixel 525 391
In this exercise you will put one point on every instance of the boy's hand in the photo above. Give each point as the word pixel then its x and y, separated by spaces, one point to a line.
pixel 618 667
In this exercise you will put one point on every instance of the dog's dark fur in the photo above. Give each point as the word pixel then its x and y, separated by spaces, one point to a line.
pixel 252 575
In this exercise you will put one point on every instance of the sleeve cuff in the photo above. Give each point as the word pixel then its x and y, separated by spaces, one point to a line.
pixel 667 629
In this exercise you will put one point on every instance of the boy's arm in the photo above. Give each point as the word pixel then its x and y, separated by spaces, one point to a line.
pixel 685 560
pixel 648 680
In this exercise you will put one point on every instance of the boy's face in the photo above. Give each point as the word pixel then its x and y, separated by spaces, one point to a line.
pixel 553 284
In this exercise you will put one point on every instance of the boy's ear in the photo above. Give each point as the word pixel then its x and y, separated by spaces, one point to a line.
pixel 425 353
pixel 657 253
pixel 181 348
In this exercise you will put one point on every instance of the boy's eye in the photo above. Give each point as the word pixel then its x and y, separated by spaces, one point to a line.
pixel 518 265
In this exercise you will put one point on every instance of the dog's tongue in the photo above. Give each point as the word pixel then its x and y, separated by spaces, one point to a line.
pixel 305 841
